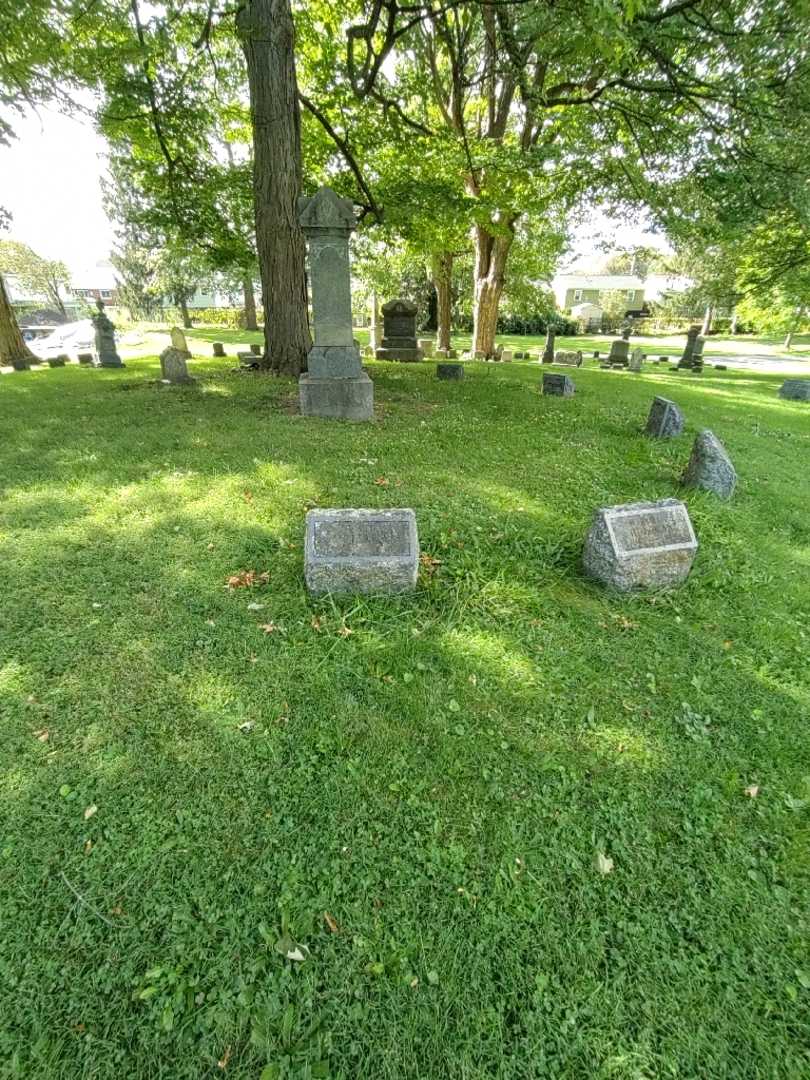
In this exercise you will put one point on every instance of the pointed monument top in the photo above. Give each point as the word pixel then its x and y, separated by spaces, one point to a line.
pixel 326 210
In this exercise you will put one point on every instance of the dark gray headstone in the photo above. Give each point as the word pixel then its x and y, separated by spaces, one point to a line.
pixel 619 355
pixel 710 467
pixel 256 348
pixel 219 348
pixel 449 371
pixel 399 332
pixel 795 390
pixel 562 385
pixel 640 545
pixel 85 358
pixel 58 361
pixel 636 361
pixel 548 351
pixel 361 551
pixel 687 359
pixel 21 363
pixel 665 420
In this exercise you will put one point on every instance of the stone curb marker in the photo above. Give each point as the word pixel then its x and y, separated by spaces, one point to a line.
pixel 640 545
pixel 361 551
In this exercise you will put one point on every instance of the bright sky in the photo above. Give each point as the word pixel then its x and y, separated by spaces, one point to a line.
pixel 49 180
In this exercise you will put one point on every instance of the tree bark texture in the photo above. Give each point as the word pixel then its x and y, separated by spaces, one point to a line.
pixel 183 305
pixel 708 318
pixel 442 275
pixel 12 346
pixel 250 304
pixel 266 32
pixel 491 253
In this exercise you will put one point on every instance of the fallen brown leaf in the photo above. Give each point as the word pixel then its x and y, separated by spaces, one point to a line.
pixel 43 735
pixel 317 622
pixel 330 922
pixel 226 1057
pixel 268 627
pixel 345 631
pixel 381 481
pixel 752 791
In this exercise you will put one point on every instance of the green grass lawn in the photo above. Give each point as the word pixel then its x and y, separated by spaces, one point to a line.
pixel 413 792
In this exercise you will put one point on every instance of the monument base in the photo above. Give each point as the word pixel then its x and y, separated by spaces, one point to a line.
pixel 110 362
pixel 404 355
pixel 341 399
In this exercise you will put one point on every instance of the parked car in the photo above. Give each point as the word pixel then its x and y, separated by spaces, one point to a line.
pixel 70 339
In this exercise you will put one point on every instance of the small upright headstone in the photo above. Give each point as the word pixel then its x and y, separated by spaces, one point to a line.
pixel 256 348
pixel 361 551
pixel 640 545
pixel 568 359
pixel 21 363
pixel 710 467
pixel 446 354
pixel 596 354
pixel 449 371
pixel 426 345
pixel 663 359
pixel 561 385
pixel 692 335
pixel 506 355
pixel 219 348
pixel 548 351
pixel 399 332
pixel 58 361
pixel 173 366
pixel 335 384
pixel 636 361
pixel 619 355
pixel 665 420
pixel 179 341
pixel 106 353
pixel 795 390
pixel 85 358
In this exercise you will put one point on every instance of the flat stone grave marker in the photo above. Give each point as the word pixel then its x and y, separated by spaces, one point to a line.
pixel 449 371
pixel 58 361
pixel 507 354
pixel 561 385
pixel 665 420
pixel 219 348
pixel 795 390
pixel 361 551
pixel 710 467
pixel 636 361
pixel 85 358
pixel 427 345
pixel 568 358
pixel 173 367
pixel 640 545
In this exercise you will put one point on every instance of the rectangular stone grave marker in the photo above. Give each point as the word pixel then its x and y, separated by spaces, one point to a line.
pixel 665 419
pixel 641 545
pixel 219 348
pixel 561 385
pixel 85 358
pixel 449 371
pixel 795 390
pixel 426 344
pixel 361 551
pixel 568 358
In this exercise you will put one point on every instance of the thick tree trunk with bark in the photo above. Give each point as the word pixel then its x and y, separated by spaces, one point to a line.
pixel 788 340
pixel 491 253
pixel 734 321
pixel 265 29
pixel 708 318
pixel 250 303
pixel 442 275
pixel 183 305
pixel 12 346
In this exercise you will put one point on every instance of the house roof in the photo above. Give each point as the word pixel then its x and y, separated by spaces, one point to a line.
pixel 600 281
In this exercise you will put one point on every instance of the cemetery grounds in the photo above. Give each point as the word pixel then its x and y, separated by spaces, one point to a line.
pixel 507 825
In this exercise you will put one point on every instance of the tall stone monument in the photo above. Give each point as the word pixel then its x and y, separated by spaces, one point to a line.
pixel 548 351
pixel 399 332
pixel 692 335
pixel 335 384
pixel 106 354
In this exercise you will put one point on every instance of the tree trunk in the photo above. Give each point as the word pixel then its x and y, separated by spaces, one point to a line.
pixel 708 318
pixel 491 253
pixel 12 346
pixel 374 336
pixel 442 275
pixel 266 32
pixel 788 340
pixel 734 320
pixel 250 304
pixel 183 305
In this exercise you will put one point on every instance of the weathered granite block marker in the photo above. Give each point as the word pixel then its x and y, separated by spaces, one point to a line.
pixel 642 545
pixel 449 371
pixel 665 420
pixel 85 358
pixel 795 390
pixel 173 367
pixel 58 361
pixel 219 349
pixel 335 384
pixel 361 551
pixel 399 332
pixel 256 348
pixel 568 359
pixel 561 385
pixel 427 345
pixel 636 361
pixel 179 342
pixel 710 467
pixel 106 353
